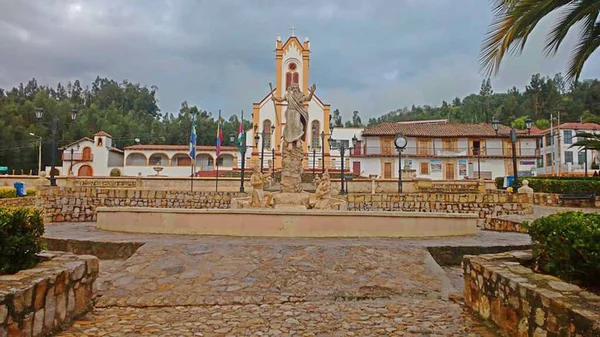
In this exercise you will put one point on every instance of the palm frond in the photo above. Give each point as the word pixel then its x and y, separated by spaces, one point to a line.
pixel 573 14
pixel 588 43
pixel 588 141
pixel 514 21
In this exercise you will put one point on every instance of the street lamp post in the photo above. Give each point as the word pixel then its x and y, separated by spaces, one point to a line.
pixel 323 152
pixel 400 142
pixel 314 159
pixel 513 140
pixel 264 134
pixel 39 113
pixel 72 152
pixel 39 152
pixel 273 162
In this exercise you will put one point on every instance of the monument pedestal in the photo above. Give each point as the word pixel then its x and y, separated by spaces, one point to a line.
pixel 291 173
pixel 285 200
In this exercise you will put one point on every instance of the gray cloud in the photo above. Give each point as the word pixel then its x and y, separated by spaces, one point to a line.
pixel 372 55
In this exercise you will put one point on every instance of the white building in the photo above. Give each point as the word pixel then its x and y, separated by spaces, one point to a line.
pixel 91 157
pixel 558 158
pixel 444 151
pixel 175 161
pixel 97 157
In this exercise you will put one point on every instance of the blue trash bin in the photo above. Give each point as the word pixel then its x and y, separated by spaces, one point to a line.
pixel 509 181
pixel 20 187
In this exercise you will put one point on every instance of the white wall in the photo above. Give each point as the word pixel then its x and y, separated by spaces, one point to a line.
pixel 115 159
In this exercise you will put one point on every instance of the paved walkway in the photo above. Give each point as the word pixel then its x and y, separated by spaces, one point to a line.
pixel 226 286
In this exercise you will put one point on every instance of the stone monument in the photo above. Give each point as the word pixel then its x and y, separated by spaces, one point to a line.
pixel 292 153
pixel 322 198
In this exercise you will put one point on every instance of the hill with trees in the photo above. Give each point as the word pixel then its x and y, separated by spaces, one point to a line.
pixel 129 110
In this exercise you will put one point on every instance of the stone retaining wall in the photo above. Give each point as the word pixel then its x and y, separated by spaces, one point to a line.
pixel 523 303
pixel 485 205
pixel 42 300
pixel 503 225
pixel 18 202
pixel 79 203
pixel 553 199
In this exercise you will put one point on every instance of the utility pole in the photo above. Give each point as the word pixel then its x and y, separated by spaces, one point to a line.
pixel 558 145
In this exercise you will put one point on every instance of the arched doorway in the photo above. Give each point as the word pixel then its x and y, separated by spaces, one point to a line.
pixel 85 171
pixel 87 154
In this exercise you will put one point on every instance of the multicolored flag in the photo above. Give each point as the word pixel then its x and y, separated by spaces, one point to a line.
pixel 219 135
pixel 240 137
pixel 193 140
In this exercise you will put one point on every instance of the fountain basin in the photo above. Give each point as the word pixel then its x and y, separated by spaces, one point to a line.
pixel 284 223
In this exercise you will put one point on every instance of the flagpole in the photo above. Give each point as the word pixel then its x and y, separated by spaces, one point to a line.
pixel 218 152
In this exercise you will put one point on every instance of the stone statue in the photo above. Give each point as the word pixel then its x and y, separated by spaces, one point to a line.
pixel 323 199
pixel 259 197
pixel 296 117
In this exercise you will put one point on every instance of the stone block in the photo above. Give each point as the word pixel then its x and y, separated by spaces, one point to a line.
pixel 38 322
pixel 71 302
pixel 82 299
pixel 61 307
pixel 50 308
pixel 3 313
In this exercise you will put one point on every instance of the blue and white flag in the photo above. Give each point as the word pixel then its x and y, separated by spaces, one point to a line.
pixel 193 140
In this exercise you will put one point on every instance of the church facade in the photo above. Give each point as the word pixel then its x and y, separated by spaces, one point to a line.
pixel 292 65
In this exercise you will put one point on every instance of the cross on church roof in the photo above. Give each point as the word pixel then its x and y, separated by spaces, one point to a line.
pixel 293 30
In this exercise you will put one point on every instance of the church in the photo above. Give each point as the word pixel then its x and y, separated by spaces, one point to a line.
pixel 292 65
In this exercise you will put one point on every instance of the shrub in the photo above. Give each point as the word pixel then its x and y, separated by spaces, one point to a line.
pixel 567 245
pixel 21 230
pixel 11 192
pixel 559 185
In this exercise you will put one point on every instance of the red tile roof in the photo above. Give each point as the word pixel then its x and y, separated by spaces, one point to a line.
pixel 76 142
pixel 183 148
pixel 441 130
pixel 114 149
pixel 102 133
pixel 574 126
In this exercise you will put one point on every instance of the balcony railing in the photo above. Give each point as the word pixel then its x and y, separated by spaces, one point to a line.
pixel 66 156
pixel 449 153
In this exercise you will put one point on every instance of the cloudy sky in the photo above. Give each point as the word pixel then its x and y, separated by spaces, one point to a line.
pixel 373 56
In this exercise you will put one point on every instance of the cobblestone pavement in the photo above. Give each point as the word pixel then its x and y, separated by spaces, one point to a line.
pixel 199 286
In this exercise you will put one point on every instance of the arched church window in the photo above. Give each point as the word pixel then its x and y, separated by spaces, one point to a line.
pixel 267 134
pixel 315 132
pixel 291 76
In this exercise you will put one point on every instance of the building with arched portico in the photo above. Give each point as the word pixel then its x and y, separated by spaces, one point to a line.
pixel 96 156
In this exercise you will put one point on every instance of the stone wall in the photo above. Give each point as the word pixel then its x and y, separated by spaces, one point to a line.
pixel 523 303
pixel 79 203
pixel 42 300
pixel 18 202
pixel 503 225
pixel 226 184
pixel 485 205
pixel 553 199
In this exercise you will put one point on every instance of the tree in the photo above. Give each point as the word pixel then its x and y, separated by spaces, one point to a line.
pixel 356 121
pixel 514 20
pixel 486 92
pixel 337 118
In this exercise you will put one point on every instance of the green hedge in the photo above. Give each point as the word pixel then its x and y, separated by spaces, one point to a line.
pixel 21 230
pixel 559 185
pixel 567 245
pixel 11 192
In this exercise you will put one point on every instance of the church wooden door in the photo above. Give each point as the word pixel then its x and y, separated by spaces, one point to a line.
pixel 85 171
pixel 356 168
